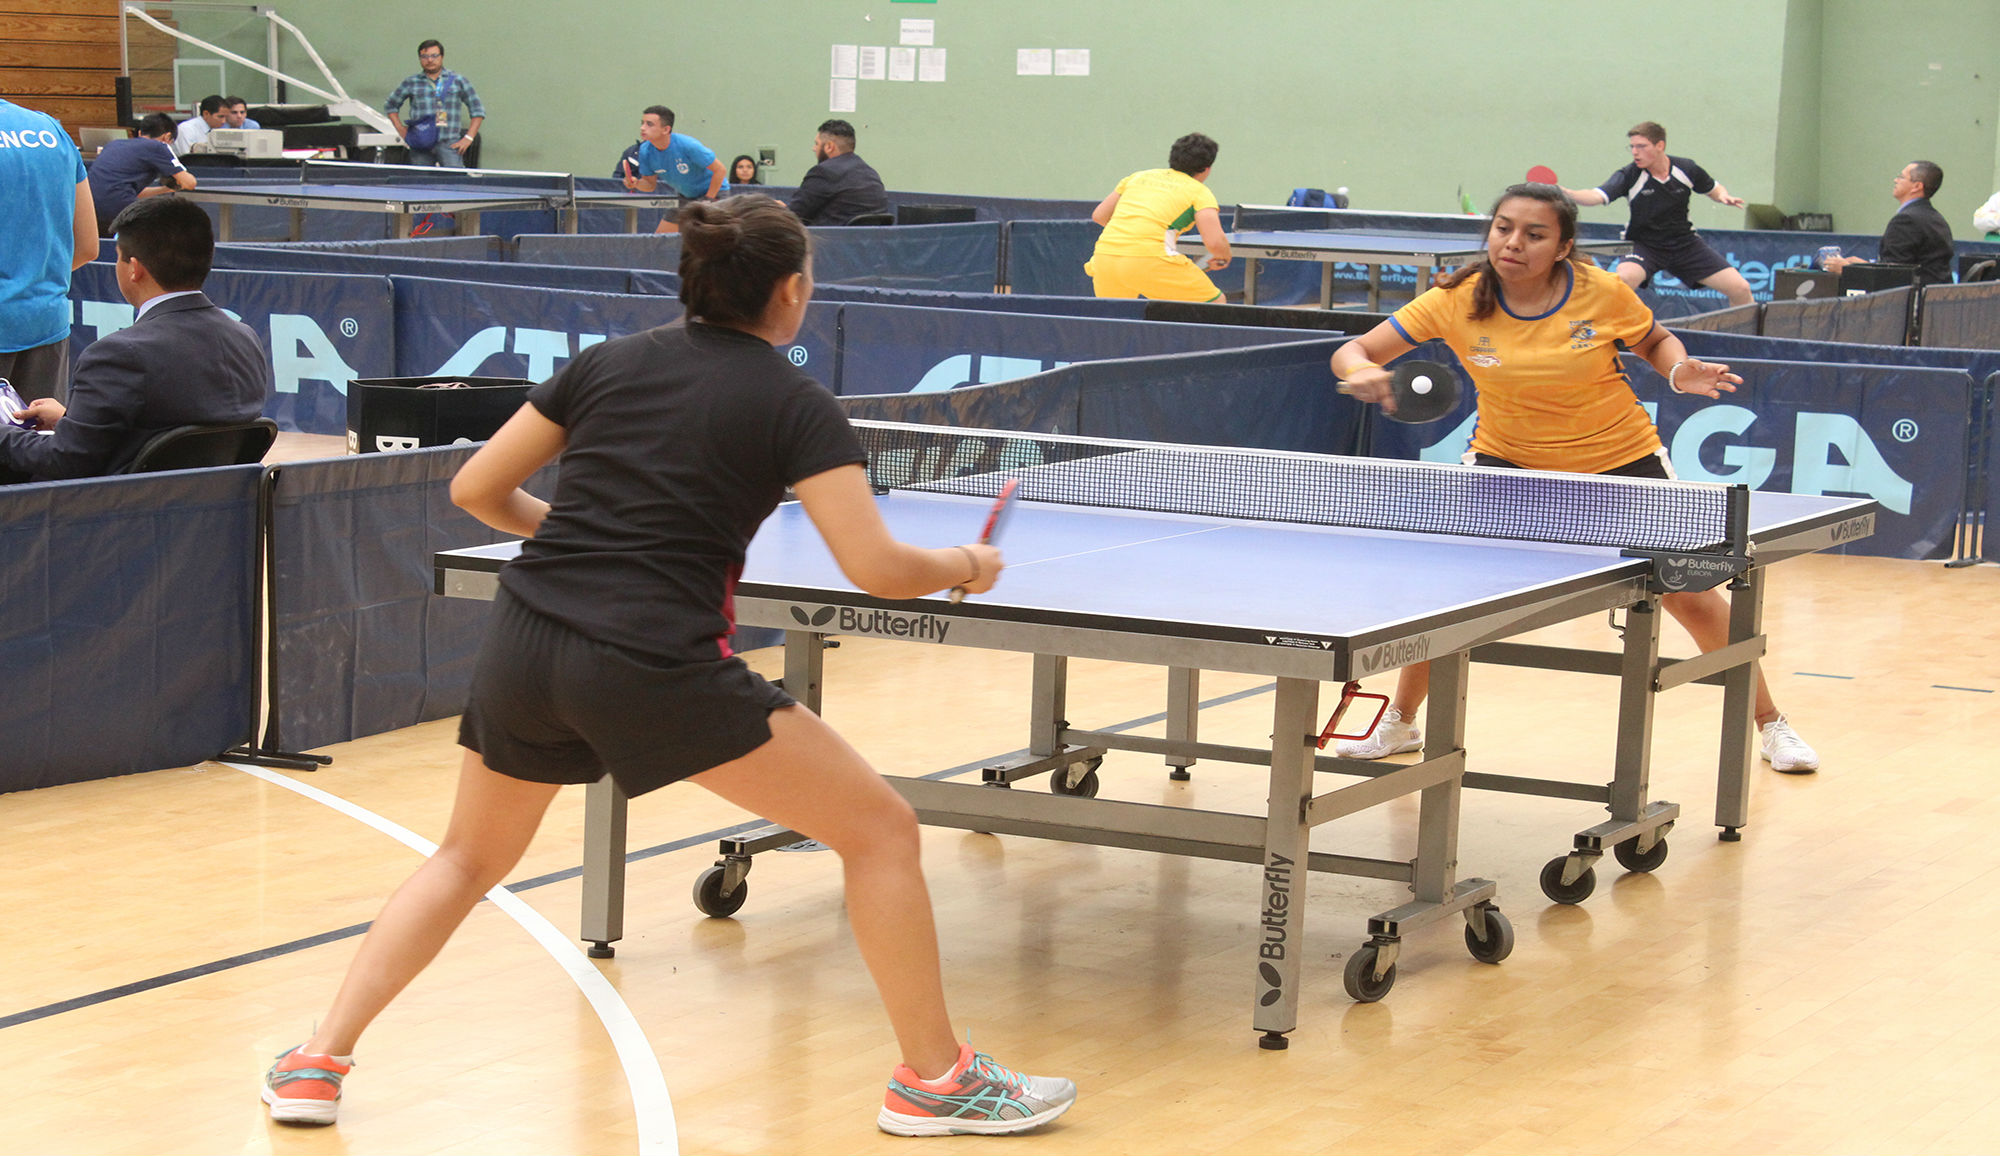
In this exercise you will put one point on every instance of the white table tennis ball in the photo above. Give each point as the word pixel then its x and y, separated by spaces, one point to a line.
pixel 1342 190
pixel 1420 385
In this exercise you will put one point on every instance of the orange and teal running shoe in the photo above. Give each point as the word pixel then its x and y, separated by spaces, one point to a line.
pixel 976 1096
pixel 303 1089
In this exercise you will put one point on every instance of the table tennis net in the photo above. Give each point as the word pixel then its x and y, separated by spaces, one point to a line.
pixel 555 186
pixel 1310 489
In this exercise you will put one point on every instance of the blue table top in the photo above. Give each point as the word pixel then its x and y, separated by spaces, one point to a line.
pixel 397 193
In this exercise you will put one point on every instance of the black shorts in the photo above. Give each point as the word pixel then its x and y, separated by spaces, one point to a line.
pixel 551 706
pixel 1688 258
pixel 1653 465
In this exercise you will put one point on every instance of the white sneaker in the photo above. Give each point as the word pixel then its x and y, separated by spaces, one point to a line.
pixel 1785 750
pixel 1392 736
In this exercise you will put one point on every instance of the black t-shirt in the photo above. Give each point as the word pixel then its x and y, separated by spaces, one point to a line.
pixel 1659 208
pixel 681 441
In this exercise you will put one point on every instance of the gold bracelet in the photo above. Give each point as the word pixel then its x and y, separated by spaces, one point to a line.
pixel 972 558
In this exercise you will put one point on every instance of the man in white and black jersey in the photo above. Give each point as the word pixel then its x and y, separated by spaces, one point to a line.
pixel 1663 239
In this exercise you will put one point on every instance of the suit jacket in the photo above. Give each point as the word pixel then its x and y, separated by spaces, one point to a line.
pixel 839 189
pixel 1918 235
pixel 184 363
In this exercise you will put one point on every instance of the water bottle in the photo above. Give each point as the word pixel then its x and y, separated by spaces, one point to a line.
pixel 1826 253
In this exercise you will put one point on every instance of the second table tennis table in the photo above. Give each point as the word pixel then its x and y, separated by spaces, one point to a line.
pixel 1374 248
pixel 1304 568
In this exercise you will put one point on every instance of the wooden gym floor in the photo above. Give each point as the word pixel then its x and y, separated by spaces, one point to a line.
pixel 1823 986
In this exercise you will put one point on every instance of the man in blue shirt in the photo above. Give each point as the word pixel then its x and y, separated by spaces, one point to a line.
pixel 688 166
pixel 435 134
pixel 51 229
pixel 236 114
pixel 126 170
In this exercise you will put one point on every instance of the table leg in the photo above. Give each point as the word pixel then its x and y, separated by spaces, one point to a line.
pixel 1048 705
pixel 1249 280
pixel 465 224
pixel 631 220
pixel 805 667
pixel 1374 288
pixel 1436 868
pixel 1183 716
pixel 1281 914
pixel 604 807
pixel 400 224
pixel 225 222
pixel 1739 710
pixel 1633 763
pixel 1326 284
pixel 298 224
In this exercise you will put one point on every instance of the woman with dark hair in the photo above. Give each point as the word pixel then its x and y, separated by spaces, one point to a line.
pixel 609 652
pixel 743 170
pixel 1539 327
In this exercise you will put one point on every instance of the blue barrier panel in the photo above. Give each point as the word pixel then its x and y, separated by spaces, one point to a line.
pixel 126 642
pixel 1962 316
pixel 1275 397
pixel 1730 346
pixel 319 331
pixel 443 248
pixel 1122 308
pixel 459 327
pixel 660 252
pixel 359 644
pixel 1046 258
pixel 958 258
pixel 998 208
pixel 1893 434
pixel 1746 319
pixel 1867 319
pixel 498 272
pixel 1985 502
pixel 896 349
pixel 659 284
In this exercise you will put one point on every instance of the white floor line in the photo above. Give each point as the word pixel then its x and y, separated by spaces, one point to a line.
pixel 652 1107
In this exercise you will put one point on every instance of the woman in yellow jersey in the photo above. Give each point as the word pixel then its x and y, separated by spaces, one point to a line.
pixel 1539 329
pixel 1143 217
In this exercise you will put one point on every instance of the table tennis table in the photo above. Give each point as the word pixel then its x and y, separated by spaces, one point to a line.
pixel 1375 248
pixel 1300 567
pixel 411 196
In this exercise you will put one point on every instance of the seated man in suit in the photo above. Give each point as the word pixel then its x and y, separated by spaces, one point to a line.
pixel 841 186
pixel 182 361
pixel 1918 234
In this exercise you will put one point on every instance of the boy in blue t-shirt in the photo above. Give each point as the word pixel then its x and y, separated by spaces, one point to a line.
pixel 688 166
pixel 126 170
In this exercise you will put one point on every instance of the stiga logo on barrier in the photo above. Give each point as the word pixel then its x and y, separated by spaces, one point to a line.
pixel 300 348
pixel 873 623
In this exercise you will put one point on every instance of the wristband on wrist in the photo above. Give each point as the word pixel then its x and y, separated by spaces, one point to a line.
pixel 972 558
pixel 1674 371
pixel 1358 366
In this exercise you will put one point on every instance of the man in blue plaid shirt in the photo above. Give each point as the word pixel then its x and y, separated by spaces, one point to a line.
pixel 435 135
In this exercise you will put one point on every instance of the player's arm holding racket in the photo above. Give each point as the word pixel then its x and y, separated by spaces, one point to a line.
pixel 1208 223
pixel 1357 365
pixel 842 508
pixel 1664 352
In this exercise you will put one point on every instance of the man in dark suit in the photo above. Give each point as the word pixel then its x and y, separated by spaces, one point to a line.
pixel 1917 234
pixel 182 361
pixel 841 186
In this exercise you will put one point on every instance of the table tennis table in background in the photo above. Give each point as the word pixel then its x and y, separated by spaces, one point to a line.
pixel 1299 567
pixel 413 197
pixel 1375 248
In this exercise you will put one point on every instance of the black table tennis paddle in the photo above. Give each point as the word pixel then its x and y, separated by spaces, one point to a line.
pixel 1423 391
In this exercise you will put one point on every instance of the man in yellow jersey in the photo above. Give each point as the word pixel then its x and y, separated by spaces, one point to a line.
pixel 1142 218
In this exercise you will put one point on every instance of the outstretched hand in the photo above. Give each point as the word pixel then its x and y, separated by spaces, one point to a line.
pixel 1705 378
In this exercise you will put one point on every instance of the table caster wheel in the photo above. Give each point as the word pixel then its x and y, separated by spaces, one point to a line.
pixel 1576 892
pixel 1632 859
pixel 1085 787
pixel 709 898
pixel 1499 941
pixel 1360 979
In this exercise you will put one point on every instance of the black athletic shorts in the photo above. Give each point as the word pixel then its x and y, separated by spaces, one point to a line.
pixel 1653 465
pixel 551 706
pixel 1688 258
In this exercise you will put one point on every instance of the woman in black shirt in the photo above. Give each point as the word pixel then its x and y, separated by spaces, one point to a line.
pixel 609 652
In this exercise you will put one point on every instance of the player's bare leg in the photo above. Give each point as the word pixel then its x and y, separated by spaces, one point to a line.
pixel 1632 273
pixel 492 820
pixel 1730 284
pixel 1706 617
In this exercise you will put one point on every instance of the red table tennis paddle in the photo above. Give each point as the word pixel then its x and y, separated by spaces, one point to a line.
pixel 1541 175
pixel 991 530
